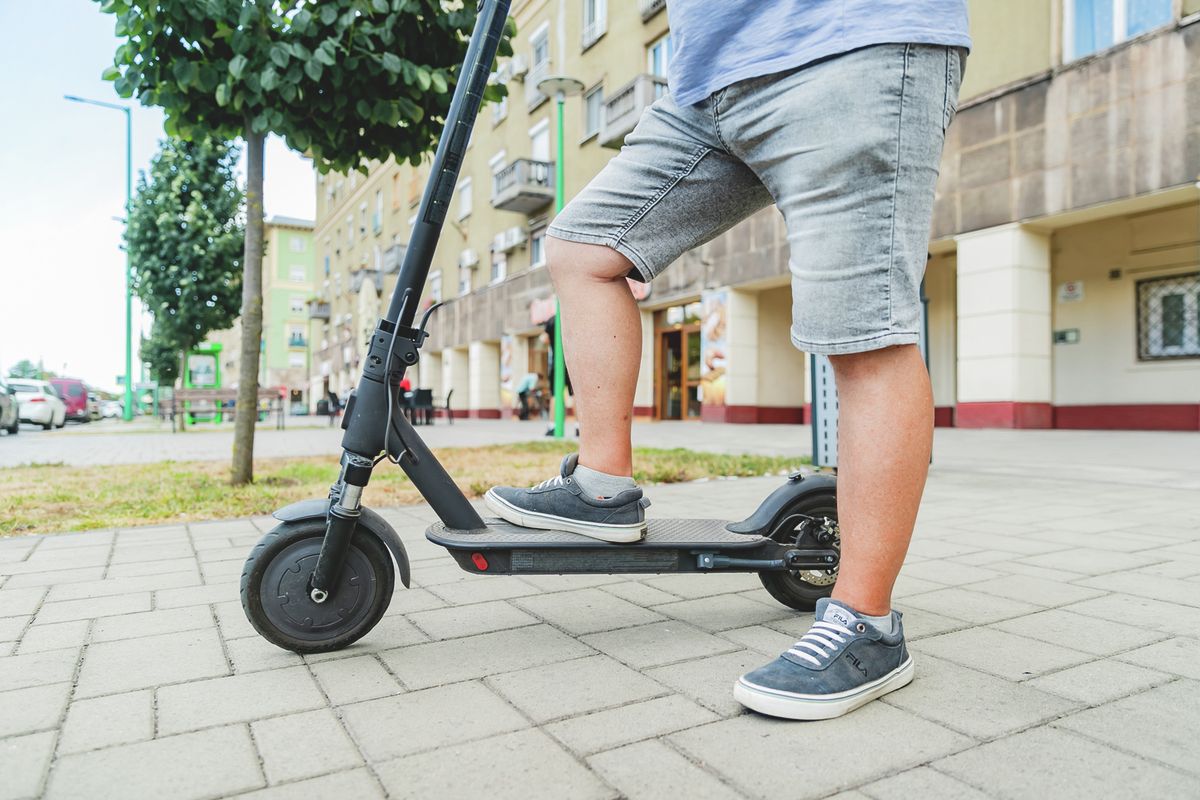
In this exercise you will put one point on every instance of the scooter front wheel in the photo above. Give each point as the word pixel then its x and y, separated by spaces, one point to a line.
pixel 811 522
pixel 278 599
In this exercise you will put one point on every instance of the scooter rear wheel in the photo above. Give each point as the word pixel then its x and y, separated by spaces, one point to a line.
pixel 810 523
pixel 277 598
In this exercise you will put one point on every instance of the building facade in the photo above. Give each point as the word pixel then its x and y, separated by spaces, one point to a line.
pixel 289 287
pixel 1063 286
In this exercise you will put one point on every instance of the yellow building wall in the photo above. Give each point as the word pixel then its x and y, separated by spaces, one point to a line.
pixel 781 367
pixel 1191 7
pixel 1103 367
pixel 1011 39
pixel 941 287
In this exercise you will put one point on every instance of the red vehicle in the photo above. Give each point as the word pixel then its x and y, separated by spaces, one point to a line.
pixel 74 394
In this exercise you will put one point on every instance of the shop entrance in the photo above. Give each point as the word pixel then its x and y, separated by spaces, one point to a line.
pixel 677 363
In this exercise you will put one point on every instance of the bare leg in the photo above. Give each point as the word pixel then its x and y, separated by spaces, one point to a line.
pixel 884 440
pixel 602 343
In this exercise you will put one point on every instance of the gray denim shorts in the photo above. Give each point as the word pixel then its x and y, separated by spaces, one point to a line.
pixel 848 148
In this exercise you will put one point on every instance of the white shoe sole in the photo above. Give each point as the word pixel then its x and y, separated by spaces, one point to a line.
pixel 618 534
pixel 790 705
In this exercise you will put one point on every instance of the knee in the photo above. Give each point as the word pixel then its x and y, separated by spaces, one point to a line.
pixel 574 261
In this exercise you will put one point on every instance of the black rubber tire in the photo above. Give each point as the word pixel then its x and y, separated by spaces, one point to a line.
pixel 48 425
pixel 788 587
pixel 15 429
pixel 368 578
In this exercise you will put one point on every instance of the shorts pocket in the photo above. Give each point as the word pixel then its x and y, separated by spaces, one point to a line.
pixel 954 72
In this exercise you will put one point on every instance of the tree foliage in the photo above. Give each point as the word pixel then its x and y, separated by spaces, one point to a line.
pixel 29 371
pixel 185 242
pixel 345 81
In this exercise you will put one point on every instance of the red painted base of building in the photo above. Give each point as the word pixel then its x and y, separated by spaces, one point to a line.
pixel 943 417
pixel 1004 415
pixel 1139 417
pixel 482 413
pixel 778 415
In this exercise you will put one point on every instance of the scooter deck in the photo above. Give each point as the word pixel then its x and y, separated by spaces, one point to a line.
pixel 671 545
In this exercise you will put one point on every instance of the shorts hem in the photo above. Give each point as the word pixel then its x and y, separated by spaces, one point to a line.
pixel 848 347
pixel 640 265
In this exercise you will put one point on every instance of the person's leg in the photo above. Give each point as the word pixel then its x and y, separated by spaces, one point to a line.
pixel 885 434
pixel 602 344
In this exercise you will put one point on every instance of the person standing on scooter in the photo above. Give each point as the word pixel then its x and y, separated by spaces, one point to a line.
pixel 836 111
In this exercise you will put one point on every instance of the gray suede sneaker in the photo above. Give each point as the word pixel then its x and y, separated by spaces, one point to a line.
pixel 560 505
pixel 839 665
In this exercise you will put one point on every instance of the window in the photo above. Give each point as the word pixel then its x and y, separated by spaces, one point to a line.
pixel 1092 25
pixel 464 198
pixel 499 266
pixel 658 56
pixel 362 220
pixel 296 359
pixel 297 244
pixel 412 224
pixel 297 274
pixel 499 111
pixel 349 228
pixel 537 249
pixel 296 304
pixel 395 191
pixel 593 110
pixel 539 141
pixel 1169 317
pixel 296 337
pixel 377 219
pixel 435 286
pixel 539 44
pixel 464 281
pixel 595 21
pixel 326 265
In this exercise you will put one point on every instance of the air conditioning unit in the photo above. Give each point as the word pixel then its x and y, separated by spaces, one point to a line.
pixel 517 67
pixel 468 259
pixel 514 237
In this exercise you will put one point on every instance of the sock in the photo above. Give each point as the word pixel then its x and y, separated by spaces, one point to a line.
pixel 885 624
pixel 834 613
pixel 601 484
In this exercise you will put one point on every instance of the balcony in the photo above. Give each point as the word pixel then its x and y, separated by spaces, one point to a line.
pixel 318 310
pixel 533 95
pixel 524 186
pixel 393 257
pixel 649 8
pixel 297 341
pixel 625 107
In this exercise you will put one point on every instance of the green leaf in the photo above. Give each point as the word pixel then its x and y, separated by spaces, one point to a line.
pixel 409 109
pixel 247 16
pixel 313 69
pixel 439 83
pixel 237 65
pixel 269 79
pixel 223 94
pixel 380 6
pixel 279 54
pixel 288 92
pixel 392 63
pixel 110 73
pixel 328 14
pixel 299 140
pixel 423 79
pixel 325 53
pixel 363 108
pixel 184 72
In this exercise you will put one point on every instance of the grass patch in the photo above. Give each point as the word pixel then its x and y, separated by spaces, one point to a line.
pixel 51 498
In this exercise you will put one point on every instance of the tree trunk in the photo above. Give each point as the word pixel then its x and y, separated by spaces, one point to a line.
pixel 252 255
pixel 182 385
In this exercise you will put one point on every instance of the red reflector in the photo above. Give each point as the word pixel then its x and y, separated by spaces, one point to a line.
pixel 37 400
pixel 479 561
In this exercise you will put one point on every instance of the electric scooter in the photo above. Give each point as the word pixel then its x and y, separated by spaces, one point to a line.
pixel 324 576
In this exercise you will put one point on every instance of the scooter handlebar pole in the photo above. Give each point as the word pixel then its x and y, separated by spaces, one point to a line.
pixel 447 160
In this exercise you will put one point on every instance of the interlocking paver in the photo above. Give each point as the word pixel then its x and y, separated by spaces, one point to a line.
pixel 20 602
pixel 454 660
pixel 586 611
pixel 658 643
pixel 967 605
pixel 211 763
pixel 723 612
pixel 195 595
pixel 975 703
pixel 922 782
pixel 107 721
pixel 54 636
pixel 614 727
pixel 554 691
pixel 1170 618
pixel 1180 656
pixel 91 608
pixel 652 770
pixel 1099 681
pixel 23 763
pixel 525 765
pixel 150 623
pixel 494 588
pixel 1056 763
pixel 128 664
pixel 640 593
pixel 355 783
pixel 112 587
pixel 350 680
pixel 432 718
pixel 303 746
pixel 255 654
pixel 236 698
pixel 456 621
pixel 1079 632
pixel 34 708
pixel 1160 724
pixel 758 755
pixel 55 577
pixel 709 681
pixel 1007 655
pixel 37 669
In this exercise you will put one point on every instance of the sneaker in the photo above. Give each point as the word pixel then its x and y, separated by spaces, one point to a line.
pixel 560 505
pixel 840 664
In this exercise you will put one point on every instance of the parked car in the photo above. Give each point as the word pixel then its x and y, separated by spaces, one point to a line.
pixel 111 409
pixel 10 418
pixel 40 403
pixel 74 394
pixel 93 406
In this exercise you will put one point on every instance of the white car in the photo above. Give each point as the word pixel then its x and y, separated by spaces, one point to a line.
pixel 39 403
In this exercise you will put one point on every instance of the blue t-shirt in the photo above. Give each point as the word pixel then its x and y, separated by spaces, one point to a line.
pixel 717 43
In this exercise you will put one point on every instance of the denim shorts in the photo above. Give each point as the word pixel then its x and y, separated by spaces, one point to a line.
pixel 848 148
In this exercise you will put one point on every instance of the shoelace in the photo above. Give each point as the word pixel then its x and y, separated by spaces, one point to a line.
pixel 557 480
pixel 824 639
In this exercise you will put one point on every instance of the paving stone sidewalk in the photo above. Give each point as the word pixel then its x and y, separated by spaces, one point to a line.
pixel 1055 622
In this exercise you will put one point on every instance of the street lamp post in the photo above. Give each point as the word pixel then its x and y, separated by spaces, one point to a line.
pixel 128 413
pixel 560 86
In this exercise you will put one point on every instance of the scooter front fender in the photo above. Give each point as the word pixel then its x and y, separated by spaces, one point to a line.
pixel 304 510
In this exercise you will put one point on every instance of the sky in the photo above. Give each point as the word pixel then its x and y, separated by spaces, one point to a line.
pixel 62 164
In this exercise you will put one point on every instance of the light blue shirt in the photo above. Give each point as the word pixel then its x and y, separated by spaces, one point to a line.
pixel 717 43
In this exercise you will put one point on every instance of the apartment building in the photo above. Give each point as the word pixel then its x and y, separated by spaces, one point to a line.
pixel 289 268
pixel 1063 287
